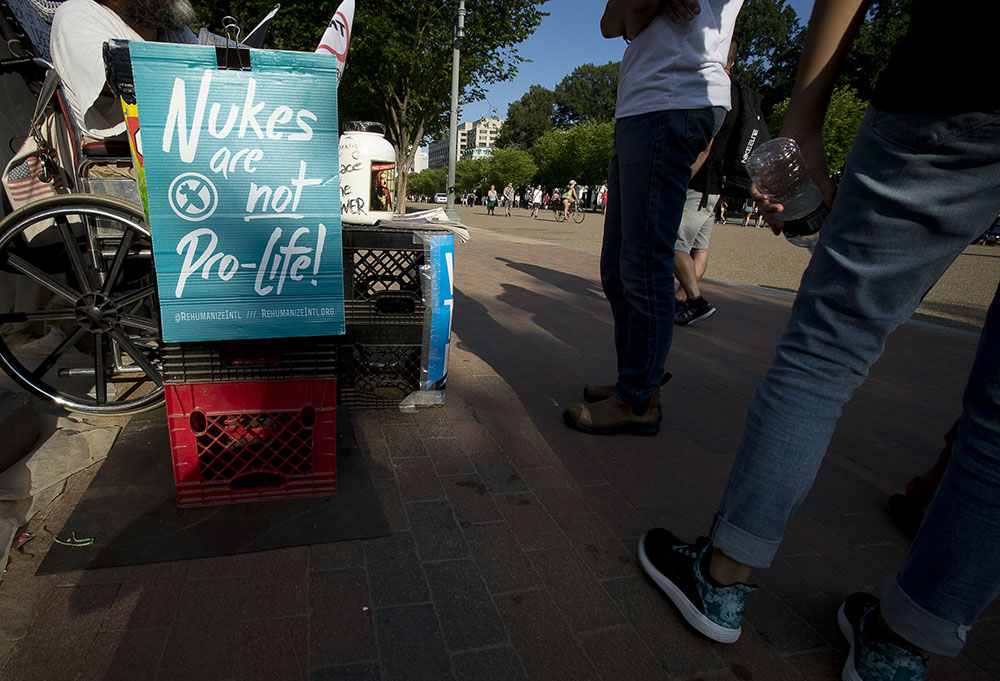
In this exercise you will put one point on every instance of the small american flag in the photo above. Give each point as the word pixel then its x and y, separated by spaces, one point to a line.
pixel 25 182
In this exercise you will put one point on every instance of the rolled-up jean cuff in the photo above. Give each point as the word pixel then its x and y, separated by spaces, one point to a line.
pixel 742 546
pixel 921 628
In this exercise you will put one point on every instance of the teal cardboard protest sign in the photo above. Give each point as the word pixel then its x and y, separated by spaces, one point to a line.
pixel 243 191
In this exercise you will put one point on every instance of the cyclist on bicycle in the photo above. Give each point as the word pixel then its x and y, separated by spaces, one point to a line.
pixel 569 197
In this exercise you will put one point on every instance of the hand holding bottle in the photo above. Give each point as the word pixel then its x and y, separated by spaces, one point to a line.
pixel 791 202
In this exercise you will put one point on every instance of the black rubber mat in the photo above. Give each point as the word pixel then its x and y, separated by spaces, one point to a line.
pixel 131 513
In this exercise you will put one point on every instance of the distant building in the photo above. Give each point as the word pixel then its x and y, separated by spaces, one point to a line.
pixel 477 152
pixel 484 133
pixel 419 161
pixel 476 135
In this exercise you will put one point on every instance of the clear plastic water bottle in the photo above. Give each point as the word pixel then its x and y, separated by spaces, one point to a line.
pixel 778 169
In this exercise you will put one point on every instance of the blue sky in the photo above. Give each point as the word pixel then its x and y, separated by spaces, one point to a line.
pixel 568 37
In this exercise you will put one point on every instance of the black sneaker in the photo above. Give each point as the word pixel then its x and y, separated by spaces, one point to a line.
pixel 680 305
pixel 676 567
pixel 869 660
pixel 695 310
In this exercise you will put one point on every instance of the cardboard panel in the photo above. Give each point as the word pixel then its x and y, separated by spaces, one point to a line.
pixel 243 192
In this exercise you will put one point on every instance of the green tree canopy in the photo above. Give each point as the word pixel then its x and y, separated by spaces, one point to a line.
pixel 769 38
pixel 528 118
pixel 581 153
pixel 298 26
pixel 510 165
pixel 399 63
pixel 884 25
pixel 428 182
pixel 587 94
pixel 843 118
pixel 591 143
pixel 471 174
pixel 553 158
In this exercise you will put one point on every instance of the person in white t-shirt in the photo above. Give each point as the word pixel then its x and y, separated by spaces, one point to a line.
pixel 79 30
pixel 673 93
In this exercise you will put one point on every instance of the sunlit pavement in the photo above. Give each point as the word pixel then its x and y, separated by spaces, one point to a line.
pixel 513 547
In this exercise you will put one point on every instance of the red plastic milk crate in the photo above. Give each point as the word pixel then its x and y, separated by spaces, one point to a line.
pixel 253 440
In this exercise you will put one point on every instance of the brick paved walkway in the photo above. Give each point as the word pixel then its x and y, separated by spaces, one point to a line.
pixel 512 552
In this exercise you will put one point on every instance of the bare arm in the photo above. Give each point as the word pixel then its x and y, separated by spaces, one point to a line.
pixel 613 21
pixel 700 160
pixel 629 18
pixel 831 29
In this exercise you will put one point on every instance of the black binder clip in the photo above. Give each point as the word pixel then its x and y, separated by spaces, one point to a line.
pixel 232 57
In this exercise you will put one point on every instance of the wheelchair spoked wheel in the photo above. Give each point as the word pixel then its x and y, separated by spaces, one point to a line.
pixel 79 322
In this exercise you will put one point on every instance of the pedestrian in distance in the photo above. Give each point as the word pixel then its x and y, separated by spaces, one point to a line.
pixel 491 200
pixel 924 171
pixel 720 209
pixel 752 211
pixel 536 200
pixel 723 169
pixel 508 197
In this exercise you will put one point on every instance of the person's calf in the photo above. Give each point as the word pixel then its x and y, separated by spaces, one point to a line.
pixel 725 570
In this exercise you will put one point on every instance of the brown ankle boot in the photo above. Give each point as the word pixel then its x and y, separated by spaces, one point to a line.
pixel 613 417
pixel 595 392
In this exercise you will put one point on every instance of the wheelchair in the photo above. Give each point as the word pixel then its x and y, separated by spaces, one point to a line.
pixel 79 316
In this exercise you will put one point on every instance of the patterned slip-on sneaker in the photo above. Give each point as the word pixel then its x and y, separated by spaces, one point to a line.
pixel 869 660
pixel 675 567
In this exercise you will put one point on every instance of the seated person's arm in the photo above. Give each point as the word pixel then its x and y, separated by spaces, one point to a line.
pixel 77 53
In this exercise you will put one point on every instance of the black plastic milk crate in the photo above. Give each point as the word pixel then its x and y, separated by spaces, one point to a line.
pixel 379 365
pixel 251 360
pixel 382 282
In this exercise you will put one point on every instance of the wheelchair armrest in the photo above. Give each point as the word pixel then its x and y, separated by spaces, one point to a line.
pixel 107 148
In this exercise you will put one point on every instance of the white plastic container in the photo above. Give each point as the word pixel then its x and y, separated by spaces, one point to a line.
pixel 367 174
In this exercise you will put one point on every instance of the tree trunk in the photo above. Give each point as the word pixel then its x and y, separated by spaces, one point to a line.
pixel 405 151
pixel 402 172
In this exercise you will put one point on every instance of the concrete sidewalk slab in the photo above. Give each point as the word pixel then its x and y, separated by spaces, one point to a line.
pixel 20 425
pixel 513 546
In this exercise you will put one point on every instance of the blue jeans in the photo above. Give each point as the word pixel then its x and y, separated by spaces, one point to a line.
pixel 647 183
pixel 917 189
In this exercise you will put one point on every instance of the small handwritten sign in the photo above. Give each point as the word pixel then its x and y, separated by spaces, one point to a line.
pixel 242 186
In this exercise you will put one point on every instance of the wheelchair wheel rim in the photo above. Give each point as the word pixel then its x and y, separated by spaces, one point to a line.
pixel 100 295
